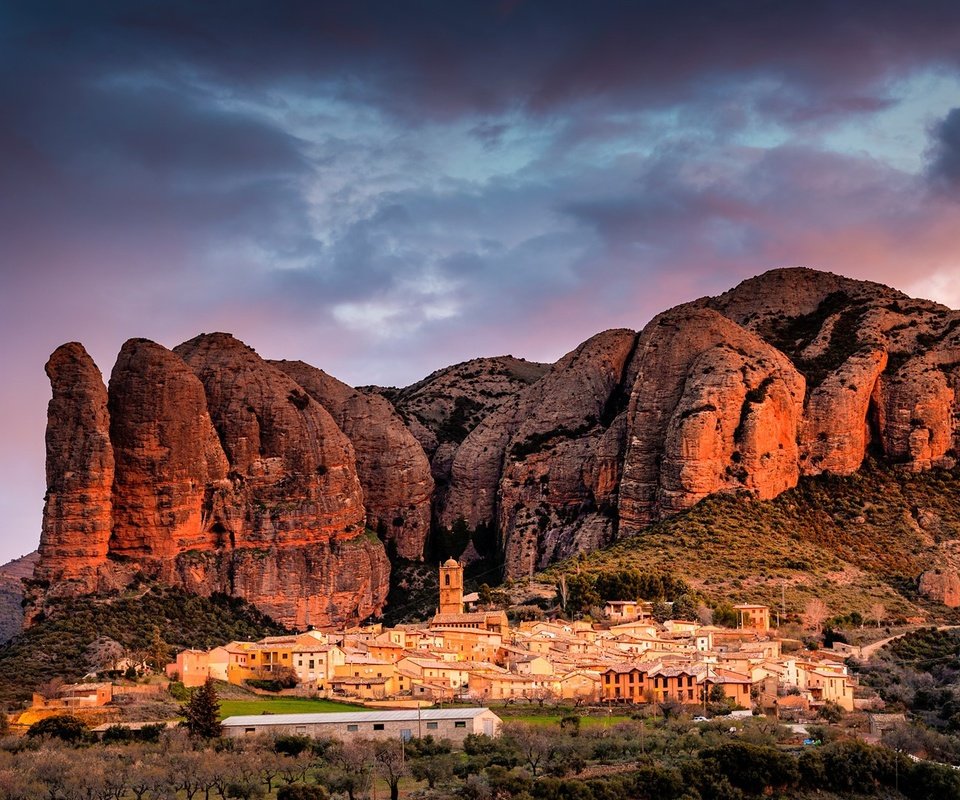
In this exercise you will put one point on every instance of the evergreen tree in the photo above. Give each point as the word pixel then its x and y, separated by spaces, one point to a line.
pixel 203 712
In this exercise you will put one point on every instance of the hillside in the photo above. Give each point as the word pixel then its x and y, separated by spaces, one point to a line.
pixel 852 541
pixel 60 645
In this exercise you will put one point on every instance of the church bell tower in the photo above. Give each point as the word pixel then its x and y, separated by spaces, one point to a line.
pixel 451 587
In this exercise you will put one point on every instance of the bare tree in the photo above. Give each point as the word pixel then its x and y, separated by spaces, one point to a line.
pixel 878 612
pixel 534 745
pixel 814 615
pixel 390 763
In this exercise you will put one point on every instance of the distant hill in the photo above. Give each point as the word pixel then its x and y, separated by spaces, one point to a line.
pixel 59 645
pixel 11 593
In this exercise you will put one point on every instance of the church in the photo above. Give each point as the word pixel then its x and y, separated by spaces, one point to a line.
pixel 450 614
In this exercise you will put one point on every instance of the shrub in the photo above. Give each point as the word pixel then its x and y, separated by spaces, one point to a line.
pixel 66 727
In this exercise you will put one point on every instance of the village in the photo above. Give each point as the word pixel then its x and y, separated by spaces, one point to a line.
pixel 469 655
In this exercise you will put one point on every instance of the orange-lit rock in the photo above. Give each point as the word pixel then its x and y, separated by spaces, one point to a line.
pixel 714 408
pixel 77 515
pixel 168 457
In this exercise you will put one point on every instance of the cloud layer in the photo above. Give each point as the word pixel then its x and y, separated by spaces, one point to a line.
pixel 383 188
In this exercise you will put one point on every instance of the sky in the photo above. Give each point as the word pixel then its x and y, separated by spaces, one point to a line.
pixel 386 188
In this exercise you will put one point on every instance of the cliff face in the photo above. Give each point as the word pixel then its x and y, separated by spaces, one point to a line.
pixel 713 408
pixel 77 515
pixel 391 464
pixel 537 468
pixel 229 478
pixel 235 474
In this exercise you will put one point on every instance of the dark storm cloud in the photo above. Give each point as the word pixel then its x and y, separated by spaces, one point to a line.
pixel 447 58
pixel 945 164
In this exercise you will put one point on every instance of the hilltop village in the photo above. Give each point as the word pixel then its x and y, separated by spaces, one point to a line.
pixel 466 654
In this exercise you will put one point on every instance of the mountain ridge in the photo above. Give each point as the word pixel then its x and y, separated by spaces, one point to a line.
pixel 793 373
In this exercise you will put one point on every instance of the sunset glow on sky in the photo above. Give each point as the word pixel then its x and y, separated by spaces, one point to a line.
pixel 385 188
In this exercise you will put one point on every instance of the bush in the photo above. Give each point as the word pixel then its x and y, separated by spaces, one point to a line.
pixel 301 791
pixel 66 727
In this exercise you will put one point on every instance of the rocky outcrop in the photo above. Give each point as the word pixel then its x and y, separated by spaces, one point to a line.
pixel 393 469
pixel 442 409
pixel 240 475
pixel 293 472
pixel 12 577
pixel 77 514
pixel 539 467
pixel 207 469
pixel 169 461
pixel 714 408
pixel 941 587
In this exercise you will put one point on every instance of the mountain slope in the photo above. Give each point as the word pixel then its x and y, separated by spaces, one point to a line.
pixel 850 540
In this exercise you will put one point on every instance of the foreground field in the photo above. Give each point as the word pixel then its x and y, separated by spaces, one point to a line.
pixel 282 705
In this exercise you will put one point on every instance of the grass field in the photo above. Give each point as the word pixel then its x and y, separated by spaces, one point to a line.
pixel 282 705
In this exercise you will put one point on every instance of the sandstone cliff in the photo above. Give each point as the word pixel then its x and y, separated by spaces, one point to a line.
pixel 77 514
pixel 393 469
pixel 259 478
pixel 207 469
pixel 539 468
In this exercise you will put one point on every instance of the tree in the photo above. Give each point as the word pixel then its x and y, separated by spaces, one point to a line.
pixel 534 745
pixel 158 651
pixel 878 612
pixel 66 727
pixel 814 615
pixel 203 712
pixel 390 763
pixel 433 769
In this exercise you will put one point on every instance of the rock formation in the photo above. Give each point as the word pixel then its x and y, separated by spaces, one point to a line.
pixel 714 408
pixel 235 474
pixel 538 467
pixel 169 461
pixel 229 478
pixel 391 464
pixel 77 515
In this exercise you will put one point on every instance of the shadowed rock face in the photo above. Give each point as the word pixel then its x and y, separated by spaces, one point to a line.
pixel 539 468
pixel 391 464
pixel 77 515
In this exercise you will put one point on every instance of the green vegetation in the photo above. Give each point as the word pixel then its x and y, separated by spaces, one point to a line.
pixel 282 705
pixel 918 674
pixel 142 624
pixel 202 712
pixel 464 417
pixel 656 758
pixel 853 541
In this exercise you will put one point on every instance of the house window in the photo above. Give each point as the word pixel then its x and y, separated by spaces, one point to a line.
pixel 249 730
pixel 352 728
pixel 432 726
pixel 311 663
pixel 378 726
pixel 286 656
pixel 446 580
pixel 459 724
